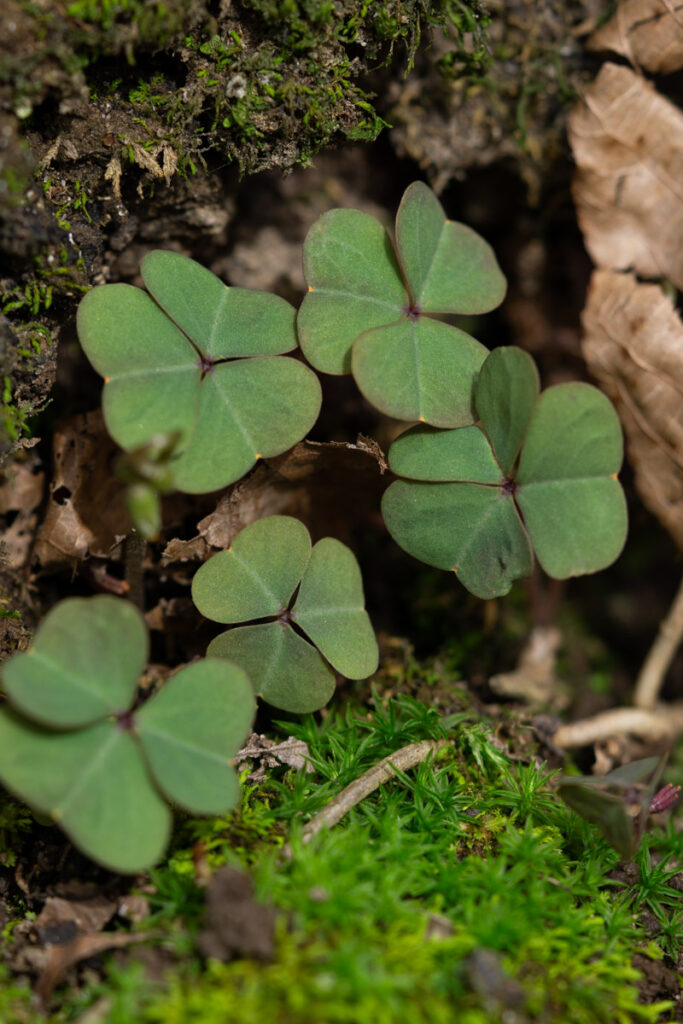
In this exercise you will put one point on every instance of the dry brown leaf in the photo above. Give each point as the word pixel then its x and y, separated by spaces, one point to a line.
pixel 21 492
pixel 628 144
pixel 648 32
pixel 61 919
pixel 59 960
pixel 633 345
pixel 86 513
pixel 316 482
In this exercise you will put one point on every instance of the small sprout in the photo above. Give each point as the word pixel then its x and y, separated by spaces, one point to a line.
pixel 371 309
pixel 200 359
pixel 537 474
pixel 311 599
pixel 620 802
pixel 148 472
pixel 75 747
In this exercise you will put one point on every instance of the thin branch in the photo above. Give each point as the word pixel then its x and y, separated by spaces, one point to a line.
pixel 664 722
pixel 401 760
pixel 654 668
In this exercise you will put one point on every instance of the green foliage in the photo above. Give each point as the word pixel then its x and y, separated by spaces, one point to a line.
pixel 389 915
pixel 370 309
pixel 538 473
pixel 73 746
pixel 148 472
pixel 607 800
pixel 202 360
pixel 271 572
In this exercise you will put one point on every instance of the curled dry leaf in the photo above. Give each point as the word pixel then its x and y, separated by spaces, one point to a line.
pixel 86 513
pixel 633 345
pixel 647 32
pixel 315 482
pixel 628 144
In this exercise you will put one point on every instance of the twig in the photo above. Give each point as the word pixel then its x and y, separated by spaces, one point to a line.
pixel 664 722
pixel 661 653
pixel 401 760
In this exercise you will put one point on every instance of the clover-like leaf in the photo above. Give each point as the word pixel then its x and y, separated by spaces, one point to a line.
pixel 257 575
pixel 448 267
pixel 330 609
pixel 191 729
pixel 472 529
pixel 353 284
pixel 93 783
pixel 413 370
pixel 83 665
pixel 368 308
pixel 474 504
pixel 568 491
pixel 97 766
pixel 200 360
pixel 314 599
pixel 288 672
pixel 506 392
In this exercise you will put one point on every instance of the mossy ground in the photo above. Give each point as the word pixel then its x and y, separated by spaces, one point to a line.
pixel 463 890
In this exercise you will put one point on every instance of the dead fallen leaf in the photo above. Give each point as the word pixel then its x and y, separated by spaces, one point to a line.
pixel 21 492
pixel 236 925
pixel 61 919
pixel 269 754
pixel 628 144
pixel 316 482
pixel 60 959
pixel 86 513
pixel 648 32
pixel 633 345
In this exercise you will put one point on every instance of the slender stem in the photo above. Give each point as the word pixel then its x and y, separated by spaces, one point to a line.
pixel 134 550
pixel 664 722
pixel 655 666
pixel 402 759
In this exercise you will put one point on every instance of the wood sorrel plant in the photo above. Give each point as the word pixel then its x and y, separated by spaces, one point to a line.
pixel 312 599
pixel 202 360
pixel 537 473
pixel 75 747
pixel 370 308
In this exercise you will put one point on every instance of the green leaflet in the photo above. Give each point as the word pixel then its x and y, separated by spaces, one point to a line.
pixel 95 766
pixel 538 475
pixel 258 578
pixel 203 362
